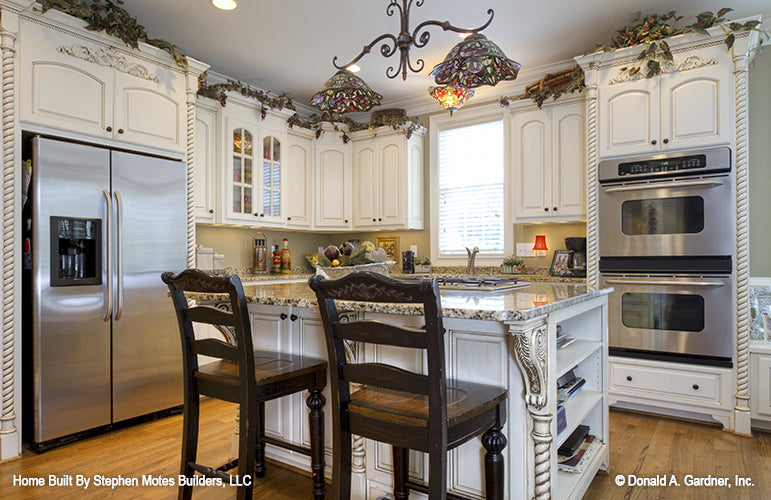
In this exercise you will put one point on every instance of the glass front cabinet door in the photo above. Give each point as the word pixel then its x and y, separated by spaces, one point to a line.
pixel 254 179
pixel 270 209
pixel 242 205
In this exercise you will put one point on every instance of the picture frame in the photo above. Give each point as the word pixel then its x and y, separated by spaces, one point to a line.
pixel 390 244
pixel 559 262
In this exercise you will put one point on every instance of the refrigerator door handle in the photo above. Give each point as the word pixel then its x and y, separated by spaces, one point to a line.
pixel 108 228
pixel 118 258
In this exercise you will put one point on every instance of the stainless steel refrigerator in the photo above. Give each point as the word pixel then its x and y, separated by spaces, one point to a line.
pixel 104 338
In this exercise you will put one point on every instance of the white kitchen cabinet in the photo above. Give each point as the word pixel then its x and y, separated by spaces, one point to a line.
pixel 83 87
pixel 332 183
pixel 688 108
pixel 675 387
pixel 549 162
pixel 253 178
pixel 205 173
pixel 298 169
pixel 760 382
pixel 387 180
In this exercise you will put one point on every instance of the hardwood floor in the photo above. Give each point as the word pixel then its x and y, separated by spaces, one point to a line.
pixel 641 445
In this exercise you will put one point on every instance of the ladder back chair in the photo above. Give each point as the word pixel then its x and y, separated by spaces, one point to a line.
pixel 240 375
pixel 411 411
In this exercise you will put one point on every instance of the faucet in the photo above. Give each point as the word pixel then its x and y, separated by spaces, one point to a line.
pixel 471 255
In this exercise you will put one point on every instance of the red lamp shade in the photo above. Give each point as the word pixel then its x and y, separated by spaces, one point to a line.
pixel 540 247
pixel 451 98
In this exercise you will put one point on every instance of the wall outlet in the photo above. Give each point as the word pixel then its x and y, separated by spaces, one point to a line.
pixel 414 249
pixel 525 250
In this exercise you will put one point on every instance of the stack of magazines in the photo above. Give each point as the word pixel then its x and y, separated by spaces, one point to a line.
pixel 577 462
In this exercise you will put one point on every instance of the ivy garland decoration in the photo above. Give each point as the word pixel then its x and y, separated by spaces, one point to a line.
pixel 219 91
pixel 652 29
pixel 114 20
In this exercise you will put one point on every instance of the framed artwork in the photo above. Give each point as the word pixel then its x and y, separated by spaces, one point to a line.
pixel 390 244
pixel 559 262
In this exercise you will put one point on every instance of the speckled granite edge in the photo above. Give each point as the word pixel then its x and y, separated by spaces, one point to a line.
pixel 300 295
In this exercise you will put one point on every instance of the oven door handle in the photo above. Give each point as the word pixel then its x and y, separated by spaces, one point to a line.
pixel 664 282
pixel 664 185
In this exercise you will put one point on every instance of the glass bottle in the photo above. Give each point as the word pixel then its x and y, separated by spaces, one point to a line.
pixel 275 268
pixel 286 258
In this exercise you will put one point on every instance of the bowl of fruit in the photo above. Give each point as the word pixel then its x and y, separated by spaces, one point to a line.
pixel 336 262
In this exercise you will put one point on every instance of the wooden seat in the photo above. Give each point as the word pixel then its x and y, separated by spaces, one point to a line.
pixel 410 411
pixel 244 376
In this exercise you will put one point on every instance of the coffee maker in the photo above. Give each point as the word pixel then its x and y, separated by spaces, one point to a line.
pixel 577 257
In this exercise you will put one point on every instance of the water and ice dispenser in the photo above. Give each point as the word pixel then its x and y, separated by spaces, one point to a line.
pixel 76 251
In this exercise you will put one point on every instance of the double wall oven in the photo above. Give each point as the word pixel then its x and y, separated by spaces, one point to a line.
pixel 667 242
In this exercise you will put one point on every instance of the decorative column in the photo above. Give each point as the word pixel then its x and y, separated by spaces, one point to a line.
pixel 9 433
pixel 592 257
pixel 530 348
pixel 194 70
pixel 742 409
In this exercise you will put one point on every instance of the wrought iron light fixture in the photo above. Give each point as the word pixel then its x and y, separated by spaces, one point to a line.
pixel 474 62
pixel 406 40
pixel 451 98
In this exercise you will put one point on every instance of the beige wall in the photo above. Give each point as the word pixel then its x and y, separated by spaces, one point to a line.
pixel 760 164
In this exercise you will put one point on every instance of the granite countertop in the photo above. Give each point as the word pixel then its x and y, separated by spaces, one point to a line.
pixel 509 305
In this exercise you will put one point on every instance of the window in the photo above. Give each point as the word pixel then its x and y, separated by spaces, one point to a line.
pixel 470 188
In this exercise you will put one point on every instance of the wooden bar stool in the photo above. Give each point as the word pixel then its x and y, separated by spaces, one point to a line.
pixel 408 410
pixel 243 376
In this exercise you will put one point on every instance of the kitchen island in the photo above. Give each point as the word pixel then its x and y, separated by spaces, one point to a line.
pixel 506 338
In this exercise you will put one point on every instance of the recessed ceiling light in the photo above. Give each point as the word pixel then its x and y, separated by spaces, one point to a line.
pixel 224 4
pixel 354 68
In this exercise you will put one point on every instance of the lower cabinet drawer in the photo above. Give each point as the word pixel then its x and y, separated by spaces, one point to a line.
pixel 692 384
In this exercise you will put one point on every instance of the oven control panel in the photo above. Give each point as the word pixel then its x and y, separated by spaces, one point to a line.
pixel 675 164
pixel 664 165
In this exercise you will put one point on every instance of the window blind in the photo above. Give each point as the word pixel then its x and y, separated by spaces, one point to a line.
pixel 470 168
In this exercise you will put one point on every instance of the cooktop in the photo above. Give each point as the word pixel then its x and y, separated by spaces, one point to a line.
pixel 479 283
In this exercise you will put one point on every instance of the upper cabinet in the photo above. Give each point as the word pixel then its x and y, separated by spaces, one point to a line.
pixel 690 104
pixel 549 161
pixel 253 174
pixel 205 172
pixel 387 180
pixel 671 111
pixel 332 183
pixel 298 170
pixel 75 86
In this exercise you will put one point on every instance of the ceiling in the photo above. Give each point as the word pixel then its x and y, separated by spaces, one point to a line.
pixel 288 45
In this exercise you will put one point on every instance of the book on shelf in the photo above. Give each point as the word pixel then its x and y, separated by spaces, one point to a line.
pixel 564 341
pixel 573 442
pixel 577 463
pixel 569 389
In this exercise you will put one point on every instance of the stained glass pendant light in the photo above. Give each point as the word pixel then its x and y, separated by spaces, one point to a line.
pixel 451 98
pixel 345 93
pixel 474 62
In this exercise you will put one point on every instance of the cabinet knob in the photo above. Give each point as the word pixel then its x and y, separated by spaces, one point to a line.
pixel 666 141
pixel 293 317
pixel 545 209
pixel 283 316
pixel 109 129
pixel 373 219
pixel 211 210
pixel 288 218
pixel 379 219
pixel 346 221
pixel 629 378
pixel 555 209
pixel 695 387
pixel 653 142
pixel 120 130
